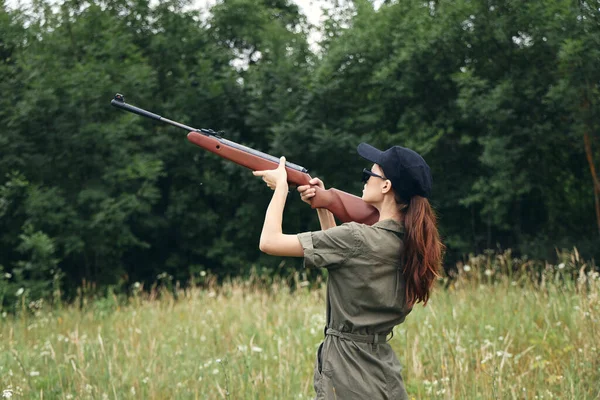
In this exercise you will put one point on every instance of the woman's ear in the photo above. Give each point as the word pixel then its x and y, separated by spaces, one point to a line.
pixel 387 186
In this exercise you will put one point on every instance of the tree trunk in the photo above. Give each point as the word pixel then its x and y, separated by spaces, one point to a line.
pixel 590 158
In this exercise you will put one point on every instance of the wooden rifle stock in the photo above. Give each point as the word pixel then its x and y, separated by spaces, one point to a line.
pixel 344 206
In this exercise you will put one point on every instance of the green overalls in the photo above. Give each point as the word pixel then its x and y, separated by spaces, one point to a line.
pixel 365 300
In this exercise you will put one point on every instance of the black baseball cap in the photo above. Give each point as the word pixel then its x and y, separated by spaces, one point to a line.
pixel 405 168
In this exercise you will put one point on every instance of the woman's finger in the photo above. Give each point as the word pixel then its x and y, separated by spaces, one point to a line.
pixel 316 182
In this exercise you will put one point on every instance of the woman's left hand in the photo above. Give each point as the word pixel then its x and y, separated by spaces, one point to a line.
pixel 274 177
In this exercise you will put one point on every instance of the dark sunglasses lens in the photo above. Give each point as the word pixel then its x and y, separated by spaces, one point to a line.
pixel 365 176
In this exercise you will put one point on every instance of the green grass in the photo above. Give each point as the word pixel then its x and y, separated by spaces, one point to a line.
pixel 475 340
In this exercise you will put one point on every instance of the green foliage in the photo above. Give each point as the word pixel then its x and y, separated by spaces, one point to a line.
pixel 35 277
pixel 497 96
pixel 38 272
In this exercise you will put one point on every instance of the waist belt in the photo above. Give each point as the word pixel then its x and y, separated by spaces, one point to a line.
pixel 373 339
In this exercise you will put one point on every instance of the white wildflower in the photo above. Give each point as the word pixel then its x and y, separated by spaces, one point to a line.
pixel 132 391
pixel 202 273
pixel 34 373
pixel 489 272
pixel 215 371
pixel 7 275
pixel 256 349
pixel 242 348
pixel 467 268
pixel 20 292
pixel 561 265
pixel 7 393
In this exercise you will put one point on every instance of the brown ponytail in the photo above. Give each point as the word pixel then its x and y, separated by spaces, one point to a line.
pixel 423 249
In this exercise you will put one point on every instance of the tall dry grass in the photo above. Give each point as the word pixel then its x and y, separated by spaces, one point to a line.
pixel 501 330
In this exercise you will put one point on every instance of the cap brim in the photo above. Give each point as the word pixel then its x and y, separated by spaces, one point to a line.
pixel 369 152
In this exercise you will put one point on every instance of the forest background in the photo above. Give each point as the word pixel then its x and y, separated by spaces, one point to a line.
pixel 501 97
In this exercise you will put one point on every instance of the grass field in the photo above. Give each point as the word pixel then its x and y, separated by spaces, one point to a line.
pixel 484 337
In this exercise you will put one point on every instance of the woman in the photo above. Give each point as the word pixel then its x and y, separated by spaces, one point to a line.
pixel 376 273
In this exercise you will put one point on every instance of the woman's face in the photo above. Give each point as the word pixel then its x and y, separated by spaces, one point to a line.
pixel 372 189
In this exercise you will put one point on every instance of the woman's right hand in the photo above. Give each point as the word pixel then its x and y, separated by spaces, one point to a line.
pixel 307 192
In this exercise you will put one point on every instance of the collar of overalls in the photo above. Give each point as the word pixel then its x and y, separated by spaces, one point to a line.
pixel 390 225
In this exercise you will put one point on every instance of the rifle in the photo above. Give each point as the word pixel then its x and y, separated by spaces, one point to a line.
pixel 345 206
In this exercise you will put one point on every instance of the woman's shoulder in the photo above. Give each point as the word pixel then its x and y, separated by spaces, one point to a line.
pixel 381 227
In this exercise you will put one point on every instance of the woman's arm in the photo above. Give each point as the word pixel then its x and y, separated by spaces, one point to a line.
pixel 272 239
pixel 307 192
pixel 326 218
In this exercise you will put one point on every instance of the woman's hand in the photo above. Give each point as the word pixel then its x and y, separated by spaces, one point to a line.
pixel 274 177
pixel 307 192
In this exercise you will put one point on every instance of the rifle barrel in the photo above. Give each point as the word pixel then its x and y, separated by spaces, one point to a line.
pixel 119 102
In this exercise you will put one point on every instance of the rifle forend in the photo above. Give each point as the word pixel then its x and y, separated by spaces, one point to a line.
pixel 344 206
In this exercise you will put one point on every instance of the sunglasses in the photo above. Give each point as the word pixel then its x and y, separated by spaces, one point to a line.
pixel 367 174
